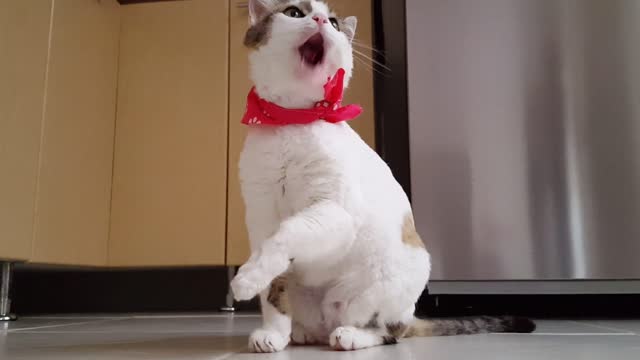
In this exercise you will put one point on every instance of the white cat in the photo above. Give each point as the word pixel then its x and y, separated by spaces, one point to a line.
pixel 335 256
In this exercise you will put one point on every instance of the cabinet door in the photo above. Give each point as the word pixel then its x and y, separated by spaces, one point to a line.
pixel 360 92
pixel 360 89
pixel 74 190
pixel 239 85
pixel 24 35
pixel 169 189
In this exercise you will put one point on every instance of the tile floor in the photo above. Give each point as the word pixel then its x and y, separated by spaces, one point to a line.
pixel 219 336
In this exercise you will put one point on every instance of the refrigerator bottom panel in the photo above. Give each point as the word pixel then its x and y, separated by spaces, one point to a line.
pixel 534 287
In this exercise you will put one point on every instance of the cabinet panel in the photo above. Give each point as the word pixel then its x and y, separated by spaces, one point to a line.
pixel 73 199
pixel 237 238
pixel 24 36
pixel 360 91
pixel 169 189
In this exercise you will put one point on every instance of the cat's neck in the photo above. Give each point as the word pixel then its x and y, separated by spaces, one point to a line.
pixel 288 98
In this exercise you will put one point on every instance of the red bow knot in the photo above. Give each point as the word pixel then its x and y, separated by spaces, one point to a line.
pixel 262 112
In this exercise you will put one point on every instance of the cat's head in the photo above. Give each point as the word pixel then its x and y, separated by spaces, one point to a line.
pixel 296 45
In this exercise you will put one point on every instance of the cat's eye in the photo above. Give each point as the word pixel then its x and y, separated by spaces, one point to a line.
pixel 293 12
pixel 334 22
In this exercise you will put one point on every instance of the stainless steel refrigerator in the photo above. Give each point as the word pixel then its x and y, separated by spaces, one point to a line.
pixel 524 120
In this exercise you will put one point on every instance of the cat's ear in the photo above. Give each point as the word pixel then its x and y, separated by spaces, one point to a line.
pixel 349 25
pixel 258 9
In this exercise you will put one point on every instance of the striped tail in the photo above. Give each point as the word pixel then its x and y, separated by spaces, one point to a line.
pixel 472 325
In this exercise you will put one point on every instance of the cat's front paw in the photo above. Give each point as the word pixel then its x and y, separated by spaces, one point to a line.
pixel 267 341
pixel 246 284
pixel 343 338
pixel 347 338
pixel 256 275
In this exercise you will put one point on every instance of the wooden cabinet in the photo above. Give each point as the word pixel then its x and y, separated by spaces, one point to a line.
pixel 170 177
pixel 237 238
pixel 120 130
pixel 360 91
pixel 24 38
pixel 74 182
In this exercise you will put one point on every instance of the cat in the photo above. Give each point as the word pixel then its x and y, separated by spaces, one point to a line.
pixel 336 259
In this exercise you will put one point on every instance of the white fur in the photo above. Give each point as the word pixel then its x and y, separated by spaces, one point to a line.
pixel 319 195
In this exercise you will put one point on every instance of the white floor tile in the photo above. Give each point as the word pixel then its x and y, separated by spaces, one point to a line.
pixel 222 336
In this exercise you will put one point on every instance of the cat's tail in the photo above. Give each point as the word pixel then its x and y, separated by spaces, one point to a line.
pixel 472 325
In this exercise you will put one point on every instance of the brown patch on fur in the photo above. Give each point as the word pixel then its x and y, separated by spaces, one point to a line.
pixel 389 340
pixel 305 6
pixel 373 322
pixel 258 34
pixel 409 234
pixel 397 330
pixel 278 294
pixel 419 328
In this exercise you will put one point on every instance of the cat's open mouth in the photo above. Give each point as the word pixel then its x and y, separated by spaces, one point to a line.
pixel 312 51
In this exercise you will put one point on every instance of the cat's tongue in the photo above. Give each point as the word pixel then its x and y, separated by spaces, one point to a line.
pixel 312 51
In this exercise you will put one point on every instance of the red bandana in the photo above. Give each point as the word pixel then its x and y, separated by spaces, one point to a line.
pixel 263 112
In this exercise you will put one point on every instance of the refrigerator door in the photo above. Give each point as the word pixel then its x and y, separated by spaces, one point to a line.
pixel 525 137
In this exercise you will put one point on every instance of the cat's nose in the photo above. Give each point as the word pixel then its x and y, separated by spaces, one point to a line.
pixel 320 20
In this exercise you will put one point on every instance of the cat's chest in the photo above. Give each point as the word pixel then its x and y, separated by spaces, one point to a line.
pixel 286 161
pixel 270 153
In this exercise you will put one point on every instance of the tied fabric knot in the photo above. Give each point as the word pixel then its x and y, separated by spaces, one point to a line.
pixel 330 109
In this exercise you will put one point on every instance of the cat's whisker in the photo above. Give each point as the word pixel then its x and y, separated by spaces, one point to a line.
pixel 366 62
pixel 374 55
pixel 372 60
pixel 367 47
pixel 368 65
pixel 363 56
pixel 356 40
pixel 363 63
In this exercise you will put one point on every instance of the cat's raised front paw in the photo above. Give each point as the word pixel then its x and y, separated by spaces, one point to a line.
pixel 256 275
pixel 267 341
pixel 245 286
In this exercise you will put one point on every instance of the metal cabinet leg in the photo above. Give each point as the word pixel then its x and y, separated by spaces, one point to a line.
pixel 5 300
pixel 229 307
